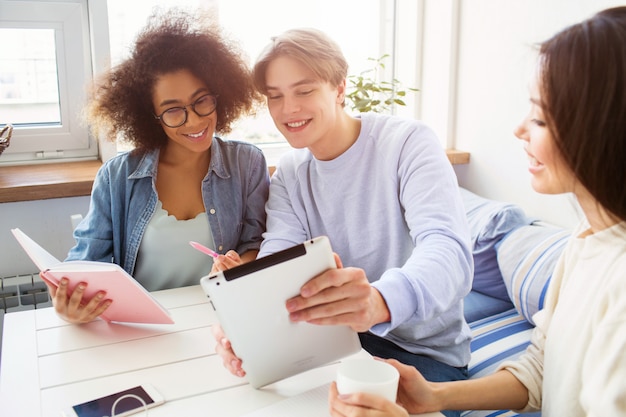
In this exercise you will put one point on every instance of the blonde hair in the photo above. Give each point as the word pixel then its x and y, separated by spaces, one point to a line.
pixel 311 47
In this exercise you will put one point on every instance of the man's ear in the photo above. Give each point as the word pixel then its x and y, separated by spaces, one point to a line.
pixel 341 92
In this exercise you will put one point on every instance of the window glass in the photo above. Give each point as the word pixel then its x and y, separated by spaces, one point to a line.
pixel 45 65
pixel 353 24
pixel 29 91
pixel 356 25
pixel 50 52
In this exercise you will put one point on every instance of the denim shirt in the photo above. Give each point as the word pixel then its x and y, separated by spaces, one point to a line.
pixel 124 198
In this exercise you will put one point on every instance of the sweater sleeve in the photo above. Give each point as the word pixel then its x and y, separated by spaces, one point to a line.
pixel 528 369
pixel 438 271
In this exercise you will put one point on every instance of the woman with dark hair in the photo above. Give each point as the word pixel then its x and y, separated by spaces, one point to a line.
pixel 183 82
pixel 575 137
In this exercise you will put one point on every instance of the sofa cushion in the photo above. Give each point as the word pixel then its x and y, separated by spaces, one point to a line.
pixel 477 306
pixel 497 338
pixel 527 257
pixel 489 221
pixel 497 413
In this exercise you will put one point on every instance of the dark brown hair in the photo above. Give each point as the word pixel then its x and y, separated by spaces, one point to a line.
pixel 583 84
pixel 171 41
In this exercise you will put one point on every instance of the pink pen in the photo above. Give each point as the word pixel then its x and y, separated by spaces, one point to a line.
pixel 204 249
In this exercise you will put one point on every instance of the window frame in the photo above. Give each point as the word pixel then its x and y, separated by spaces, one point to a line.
pixel 92 38
pixel 70 140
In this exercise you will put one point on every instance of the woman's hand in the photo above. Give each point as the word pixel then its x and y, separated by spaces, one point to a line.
pixel 74 308
pixel 415 396
pixel 223 262
pixel 415 393
pixel 362 405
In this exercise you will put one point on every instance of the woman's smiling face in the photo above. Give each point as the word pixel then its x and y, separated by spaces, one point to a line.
pixel 180 89
pixel 550 173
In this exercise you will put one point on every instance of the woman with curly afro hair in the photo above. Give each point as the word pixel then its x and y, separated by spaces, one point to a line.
pixel 183 83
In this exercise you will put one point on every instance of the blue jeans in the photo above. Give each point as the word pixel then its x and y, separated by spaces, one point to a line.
pixel 431 369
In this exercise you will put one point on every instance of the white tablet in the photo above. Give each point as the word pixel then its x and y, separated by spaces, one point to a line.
pixel 250 303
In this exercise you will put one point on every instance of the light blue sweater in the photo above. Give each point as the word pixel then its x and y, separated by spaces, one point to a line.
pixel 390 205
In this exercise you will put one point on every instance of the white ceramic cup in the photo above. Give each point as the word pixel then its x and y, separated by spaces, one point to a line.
pixel 368 375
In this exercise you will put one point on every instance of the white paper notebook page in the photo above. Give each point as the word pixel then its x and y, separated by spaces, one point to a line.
pixel 312 403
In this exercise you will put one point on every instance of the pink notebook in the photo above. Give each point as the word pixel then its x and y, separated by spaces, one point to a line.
pixel 132 303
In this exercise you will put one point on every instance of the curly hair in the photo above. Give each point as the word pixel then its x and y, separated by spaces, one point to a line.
pixel 121 101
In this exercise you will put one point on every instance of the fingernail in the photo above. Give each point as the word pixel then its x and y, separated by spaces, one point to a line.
pixel 64 281
pixel 230 255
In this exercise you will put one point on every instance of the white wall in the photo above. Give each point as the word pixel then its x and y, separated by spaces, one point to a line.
pixel 47 222
pixel 495 60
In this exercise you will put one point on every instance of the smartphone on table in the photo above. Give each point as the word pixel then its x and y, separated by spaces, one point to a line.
pixel 103 406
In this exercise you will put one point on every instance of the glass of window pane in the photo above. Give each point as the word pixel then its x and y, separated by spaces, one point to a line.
pixel 29 91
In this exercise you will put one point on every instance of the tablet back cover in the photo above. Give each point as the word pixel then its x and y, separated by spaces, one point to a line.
pixel 250 303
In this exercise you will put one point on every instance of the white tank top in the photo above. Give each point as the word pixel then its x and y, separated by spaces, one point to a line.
pixel 165 259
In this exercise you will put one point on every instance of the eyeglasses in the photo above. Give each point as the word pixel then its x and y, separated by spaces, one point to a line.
pixel 177 116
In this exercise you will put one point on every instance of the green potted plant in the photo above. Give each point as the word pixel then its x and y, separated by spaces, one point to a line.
pixel 367 93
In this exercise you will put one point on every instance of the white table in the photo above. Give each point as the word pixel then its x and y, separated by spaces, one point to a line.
pixel 48 364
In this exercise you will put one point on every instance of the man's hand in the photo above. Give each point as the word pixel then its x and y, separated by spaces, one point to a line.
pixel 341 296
pixel 225 350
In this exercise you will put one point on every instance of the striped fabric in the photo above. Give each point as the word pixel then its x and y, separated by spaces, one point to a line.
pixel 527 257
pixel 497 413
pixel 489 221
pixel 496 339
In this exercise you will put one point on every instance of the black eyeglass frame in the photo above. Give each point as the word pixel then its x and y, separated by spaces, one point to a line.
pixel 184 108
